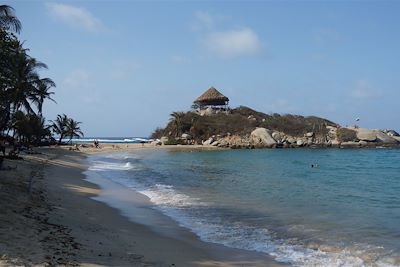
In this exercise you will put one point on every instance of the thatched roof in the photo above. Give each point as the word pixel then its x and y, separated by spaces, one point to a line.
pixel 212 97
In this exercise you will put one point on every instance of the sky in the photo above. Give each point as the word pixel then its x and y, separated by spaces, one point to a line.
pixel 121 67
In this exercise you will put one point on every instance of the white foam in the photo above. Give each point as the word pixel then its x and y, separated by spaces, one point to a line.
pixel 237 235
pixel 165 195
pixel 104 166
pixel 122 156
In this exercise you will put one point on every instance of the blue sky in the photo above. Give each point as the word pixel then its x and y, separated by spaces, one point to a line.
pixel 122 67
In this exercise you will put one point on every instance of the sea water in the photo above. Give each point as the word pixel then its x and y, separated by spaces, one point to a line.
pixel 306 207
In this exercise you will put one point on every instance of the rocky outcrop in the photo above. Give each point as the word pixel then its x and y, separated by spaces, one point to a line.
pixel 234 141
pixel 366 135
pixel 262 137
pixel 384 138
pixel 375 136
pixel 265 138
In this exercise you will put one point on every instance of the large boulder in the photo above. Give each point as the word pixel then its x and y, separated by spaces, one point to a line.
pixel 300 142
pixel 335 142
pixel 384 138
pixel 366 135
pixel 262 136
pixel 397 138
pixel 310 134
pixel 163 140
pixel 291 140
pixel 186 136
pixel 209 141
pixel 156 143
pixel 215 143
pixel 277 136
pixel 392 133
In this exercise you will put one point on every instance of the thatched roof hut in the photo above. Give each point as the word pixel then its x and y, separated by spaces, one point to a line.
pixel 212 97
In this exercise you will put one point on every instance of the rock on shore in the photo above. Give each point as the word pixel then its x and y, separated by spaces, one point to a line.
pixel 262 137
pixel 266 138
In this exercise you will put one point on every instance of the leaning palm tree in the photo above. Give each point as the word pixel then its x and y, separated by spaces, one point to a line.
pixel 41 93
pixel 8 20
pixel 73 129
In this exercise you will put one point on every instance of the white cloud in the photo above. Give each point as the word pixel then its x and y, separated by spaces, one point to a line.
pixel 364 91
pixel 76 17
pixel 221 40
pixel 234 43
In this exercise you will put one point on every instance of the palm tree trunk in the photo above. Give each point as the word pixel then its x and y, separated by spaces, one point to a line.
pixel 59 141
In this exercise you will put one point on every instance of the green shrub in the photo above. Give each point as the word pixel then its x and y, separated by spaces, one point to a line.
pixel 346 135
pixel 172 142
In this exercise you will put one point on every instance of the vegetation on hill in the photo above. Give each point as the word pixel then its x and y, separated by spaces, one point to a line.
pixel 239 121
pixel 346 135
pixel 23 91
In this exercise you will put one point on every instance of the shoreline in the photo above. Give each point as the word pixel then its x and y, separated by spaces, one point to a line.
pixel 99 234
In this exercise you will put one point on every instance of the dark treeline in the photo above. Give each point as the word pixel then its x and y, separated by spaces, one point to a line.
pixel 23 91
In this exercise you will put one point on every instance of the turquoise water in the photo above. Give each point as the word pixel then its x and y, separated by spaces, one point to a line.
pixel 344 211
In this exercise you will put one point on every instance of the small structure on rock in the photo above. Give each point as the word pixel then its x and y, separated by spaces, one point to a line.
pixel 212 101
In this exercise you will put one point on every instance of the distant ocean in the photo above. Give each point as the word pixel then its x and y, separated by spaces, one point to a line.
pixel 306 207
pixel 108 140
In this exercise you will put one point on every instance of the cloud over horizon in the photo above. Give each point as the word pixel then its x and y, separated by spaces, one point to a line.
pixel 230 43
pixel 234 43
pixel 75 17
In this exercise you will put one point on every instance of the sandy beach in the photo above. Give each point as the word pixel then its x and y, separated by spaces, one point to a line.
pixel 62 220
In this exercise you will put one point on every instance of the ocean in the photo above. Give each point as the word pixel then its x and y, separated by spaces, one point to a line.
pixel 305 207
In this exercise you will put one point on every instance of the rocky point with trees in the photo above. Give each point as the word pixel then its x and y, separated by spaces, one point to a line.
pixel 244 127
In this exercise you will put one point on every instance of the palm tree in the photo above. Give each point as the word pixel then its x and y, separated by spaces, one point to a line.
pixel 59 126
pixel 25 80
pixel 29 128
pixel 73 129
pixel 8 21
pixel 66 127
pixel 176 118
pixel 41 93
